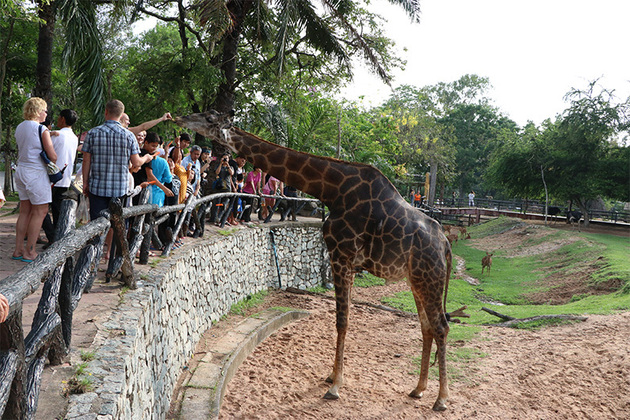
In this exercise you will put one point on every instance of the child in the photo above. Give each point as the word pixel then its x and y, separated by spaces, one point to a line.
pixel 238 203
pixel 131 190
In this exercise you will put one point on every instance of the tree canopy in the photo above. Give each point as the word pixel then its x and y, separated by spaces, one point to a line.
pixel 278 65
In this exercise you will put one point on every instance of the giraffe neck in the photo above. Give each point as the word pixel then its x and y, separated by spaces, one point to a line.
pixel 318 176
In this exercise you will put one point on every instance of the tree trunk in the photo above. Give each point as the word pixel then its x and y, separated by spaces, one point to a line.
pixel 7 188
pixel 584 209
pixel 432 181
pixel 8 154
pixel 43 84
pixel 224 101
pixel 542 174
pixel 3 66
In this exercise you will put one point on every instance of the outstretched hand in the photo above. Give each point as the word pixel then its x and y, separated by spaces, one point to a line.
pixel 167 116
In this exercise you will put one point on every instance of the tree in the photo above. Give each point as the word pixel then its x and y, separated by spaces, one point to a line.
pixel 83 49
pixel 585 160
pixel 477 128
pixel 17 65
pixel 423 141
pixel 517 165
pixel 576 158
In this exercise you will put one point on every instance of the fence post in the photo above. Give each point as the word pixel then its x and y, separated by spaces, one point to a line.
pixel 12 339
pixel 118 224
pixel 146 241
pixel 61 344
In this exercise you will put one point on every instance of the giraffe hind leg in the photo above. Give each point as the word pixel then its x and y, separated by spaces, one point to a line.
pixel 427 342
pixel 434 327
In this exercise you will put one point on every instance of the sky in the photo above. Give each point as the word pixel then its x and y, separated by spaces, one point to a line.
pixel 533 51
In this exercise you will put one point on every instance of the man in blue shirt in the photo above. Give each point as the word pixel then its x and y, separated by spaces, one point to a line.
pixel 107 151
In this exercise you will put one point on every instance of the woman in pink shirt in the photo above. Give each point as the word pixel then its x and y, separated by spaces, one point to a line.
pixel 272 187
pixel 252 186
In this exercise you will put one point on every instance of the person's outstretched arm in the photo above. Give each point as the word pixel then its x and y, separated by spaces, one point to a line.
pixel 150 124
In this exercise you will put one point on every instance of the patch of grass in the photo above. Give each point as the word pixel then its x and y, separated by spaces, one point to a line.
pixel 365 279
pixel 318 289
pixel 512 278
pixel 78 386
pixel 401 300
pixel 250 301
pixel 14 197
pixel 508 279
pixel 80 383
pixel 227 232
pixel 81 369
pixel 122 293
pixel 88 356
pixel 494 227
pixel 614 259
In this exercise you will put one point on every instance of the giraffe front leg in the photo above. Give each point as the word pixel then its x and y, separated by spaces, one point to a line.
pixel 343 283
pixel 336 377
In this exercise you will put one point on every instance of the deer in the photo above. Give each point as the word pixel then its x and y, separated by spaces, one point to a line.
pixel 462 231
pixel 486 262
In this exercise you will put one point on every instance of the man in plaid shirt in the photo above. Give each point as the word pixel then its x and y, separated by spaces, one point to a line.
pixel 107 150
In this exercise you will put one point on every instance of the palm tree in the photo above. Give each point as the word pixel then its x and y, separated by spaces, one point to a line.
pixel 331 32
pixel 83 51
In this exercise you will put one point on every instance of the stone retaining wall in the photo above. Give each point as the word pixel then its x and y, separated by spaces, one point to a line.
pixel 151 336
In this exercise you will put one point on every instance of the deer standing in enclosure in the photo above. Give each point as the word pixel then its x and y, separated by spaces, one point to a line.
pixel 486 262
pixel 370 227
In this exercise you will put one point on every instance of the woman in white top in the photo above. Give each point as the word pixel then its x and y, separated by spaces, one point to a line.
pixel 31 178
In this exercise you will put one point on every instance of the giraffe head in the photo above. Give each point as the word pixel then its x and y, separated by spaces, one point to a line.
pixel 211 124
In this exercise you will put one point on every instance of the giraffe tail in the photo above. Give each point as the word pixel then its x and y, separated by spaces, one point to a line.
pixel 449 267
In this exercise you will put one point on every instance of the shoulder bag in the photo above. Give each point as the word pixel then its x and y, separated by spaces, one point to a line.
pixel 54 173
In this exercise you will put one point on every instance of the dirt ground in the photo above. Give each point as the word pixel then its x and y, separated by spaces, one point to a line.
pixel 577 371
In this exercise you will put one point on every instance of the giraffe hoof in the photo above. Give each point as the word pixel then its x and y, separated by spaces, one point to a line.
pixel 330 396
pixel 439 406
pixel 329 379
pixel 415 394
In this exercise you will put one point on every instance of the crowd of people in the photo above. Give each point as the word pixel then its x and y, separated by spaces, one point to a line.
pixel 119 161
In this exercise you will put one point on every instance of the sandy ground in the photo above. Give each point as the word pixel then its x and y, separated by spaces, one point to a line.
pixel 577 371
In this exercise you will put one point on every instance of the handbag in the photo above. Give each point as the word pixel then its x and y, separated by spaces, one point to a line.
pixel 54 173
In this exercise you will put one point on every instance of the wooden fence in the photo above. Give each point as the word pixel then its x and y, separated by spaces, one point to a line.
pixel 68 268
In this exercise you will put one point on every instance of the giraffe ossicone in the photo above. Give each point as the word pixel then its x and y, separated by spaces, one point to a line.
pixel 370 226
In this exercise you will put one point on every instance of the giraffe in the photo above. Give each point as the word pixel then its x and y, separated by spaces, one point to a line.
pixel 370 227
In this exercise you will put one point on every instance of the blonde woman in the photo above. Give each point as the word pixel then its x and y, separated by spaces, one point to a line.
pixel 31 178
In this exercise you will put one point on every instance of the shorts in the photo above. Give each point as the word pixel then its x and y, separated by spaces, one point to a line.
pixel 97 205
pixel 32 184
